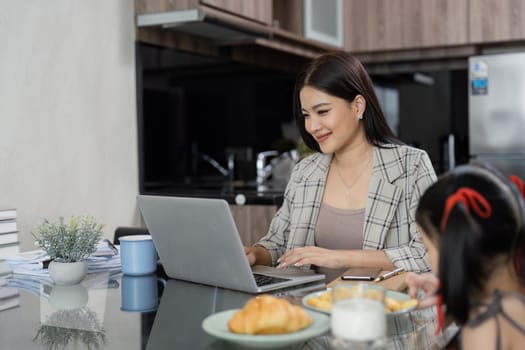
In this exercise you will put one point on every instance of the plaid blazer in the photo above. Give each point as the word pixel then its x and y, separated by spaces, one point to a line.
pixel 400 175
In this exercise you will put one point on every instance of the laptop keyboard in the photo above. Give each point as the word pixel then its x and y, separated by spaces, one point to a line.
pixel 263 280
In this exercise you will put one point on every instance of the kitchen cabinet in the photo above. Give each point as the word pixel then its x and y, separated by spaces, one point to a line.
pixel 372 25
pixel 378 25
pixel 270 33
pixel 433 23
pixel 243 30
pixel 496 20
pixel 252 221
pixel 256 10
pixel 323 21
pixel 288 15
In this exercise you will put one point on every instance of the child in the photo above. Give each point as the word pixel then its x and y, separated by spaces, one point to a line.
pixel 471 221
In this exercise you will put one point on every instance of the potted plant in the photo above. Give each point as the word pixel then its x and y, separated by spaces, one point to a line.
pixel 68 244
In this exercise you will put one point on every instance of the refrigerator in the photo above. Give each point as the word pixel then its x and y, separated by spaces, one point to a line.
pixel 496 104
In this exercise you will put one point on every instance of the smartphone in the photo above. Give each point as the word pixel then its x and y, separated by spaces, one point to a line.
pixel 361 273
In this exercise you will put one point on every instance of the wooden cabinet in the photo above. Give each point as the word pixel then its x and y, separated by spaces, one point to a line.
pixel 382 25
pixel 252 221
pixel 433 23
pixel 378 25
pixel 256 10
pixel 496 20
pixel 372 25
pixel 379 30
pixel 288 15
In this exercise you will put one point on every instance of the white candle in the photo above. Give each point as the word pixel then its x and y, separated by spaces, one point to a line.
pixel 358 319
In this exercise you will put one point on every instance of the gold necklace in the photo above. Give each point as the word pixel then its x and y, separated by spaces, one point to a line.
pixel 349 187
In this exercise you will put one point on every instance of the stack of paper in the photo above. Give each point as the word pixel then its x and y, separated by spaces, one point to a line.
pixel 104 264
pixel 39 286
pixel 105 259
pixel 105 248
pixel 28 263
pixel 43 285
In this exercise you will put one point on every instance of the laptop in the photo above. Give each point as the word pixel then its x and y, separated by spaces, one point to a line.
pixel 197 241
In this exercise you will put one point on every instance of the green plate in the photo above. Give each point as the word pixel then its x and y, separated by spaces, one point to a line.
pixel 217 326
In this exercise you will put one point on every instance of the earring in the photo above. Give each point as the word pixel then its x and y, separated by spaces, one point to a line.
pixel 360 117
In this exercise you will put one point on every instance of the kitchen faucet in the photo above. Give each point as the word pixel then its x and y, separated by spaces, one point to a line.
pixel 280 166
pixel 264 170
pixel 230 172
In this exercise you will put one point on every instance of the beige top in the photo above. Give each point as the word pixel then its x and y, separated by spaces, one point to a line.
pixel 400 174
pixel 339 229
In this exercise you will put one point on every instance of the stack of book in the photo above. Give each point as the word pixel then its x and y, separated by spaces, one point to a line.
pixel 9 297
pixel 9 243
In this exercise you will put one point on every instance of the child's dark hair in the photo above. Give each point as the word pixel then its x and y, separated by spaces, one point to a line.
pixel 470 246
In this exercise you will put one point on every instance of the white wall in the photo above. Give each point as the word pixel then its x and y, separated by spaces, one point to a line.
pixel 68 131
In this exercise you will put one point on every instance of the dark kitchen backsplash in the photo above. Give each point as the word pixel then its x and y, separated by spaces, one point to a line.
pixel 198 112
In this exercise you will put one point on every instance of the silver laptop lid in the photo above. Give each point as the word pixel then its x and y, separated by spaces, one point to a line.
pixel 197 241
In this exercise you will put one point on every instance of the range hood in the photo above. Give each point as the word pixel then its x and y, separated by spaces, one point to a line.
pixel 199 22
pixel 229 31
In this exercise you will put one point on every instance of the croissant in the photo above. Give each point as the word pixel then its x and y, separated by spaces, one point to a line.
pixel 267 314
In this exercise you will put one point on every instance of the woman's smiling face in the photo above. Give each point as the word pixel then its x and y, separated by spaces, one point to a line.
pixel 332 121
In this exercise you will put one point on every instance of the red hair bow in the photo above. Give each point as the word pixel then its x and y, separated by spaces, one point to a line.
pixel 440 315
pixel 472 199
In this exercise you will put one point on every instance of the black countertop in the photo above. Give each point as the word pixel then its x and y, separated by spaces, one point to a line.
pixel 236 193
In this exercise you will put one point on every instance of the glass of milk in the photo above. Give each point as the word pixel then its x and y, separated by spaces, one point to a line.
pixel 358 313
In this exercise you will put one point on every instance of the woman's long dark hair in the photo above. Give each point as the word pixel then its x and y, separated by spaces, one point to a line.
pixel 340 74
pixel 470 246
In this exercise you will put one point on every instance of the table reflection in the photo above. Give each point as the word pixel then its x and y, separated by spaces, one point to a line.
pixel 91 316
pixel 69 328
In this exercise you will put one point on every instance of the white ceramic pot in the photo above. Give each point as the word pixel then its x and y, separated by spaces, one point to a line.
pixel 67 273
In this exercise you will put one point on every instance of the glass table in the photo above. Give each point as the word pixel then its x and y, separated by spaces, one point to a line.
pixel 124 312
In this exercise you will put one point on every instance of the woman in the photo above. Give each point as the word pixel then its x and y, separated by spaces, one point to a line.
pixel 353 203
pixel 471 221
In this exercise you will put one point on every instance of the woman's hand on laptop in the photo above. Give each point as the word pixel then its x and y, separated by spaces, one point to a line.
pixel 250 255
pixel 313 256
pixel 257 255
